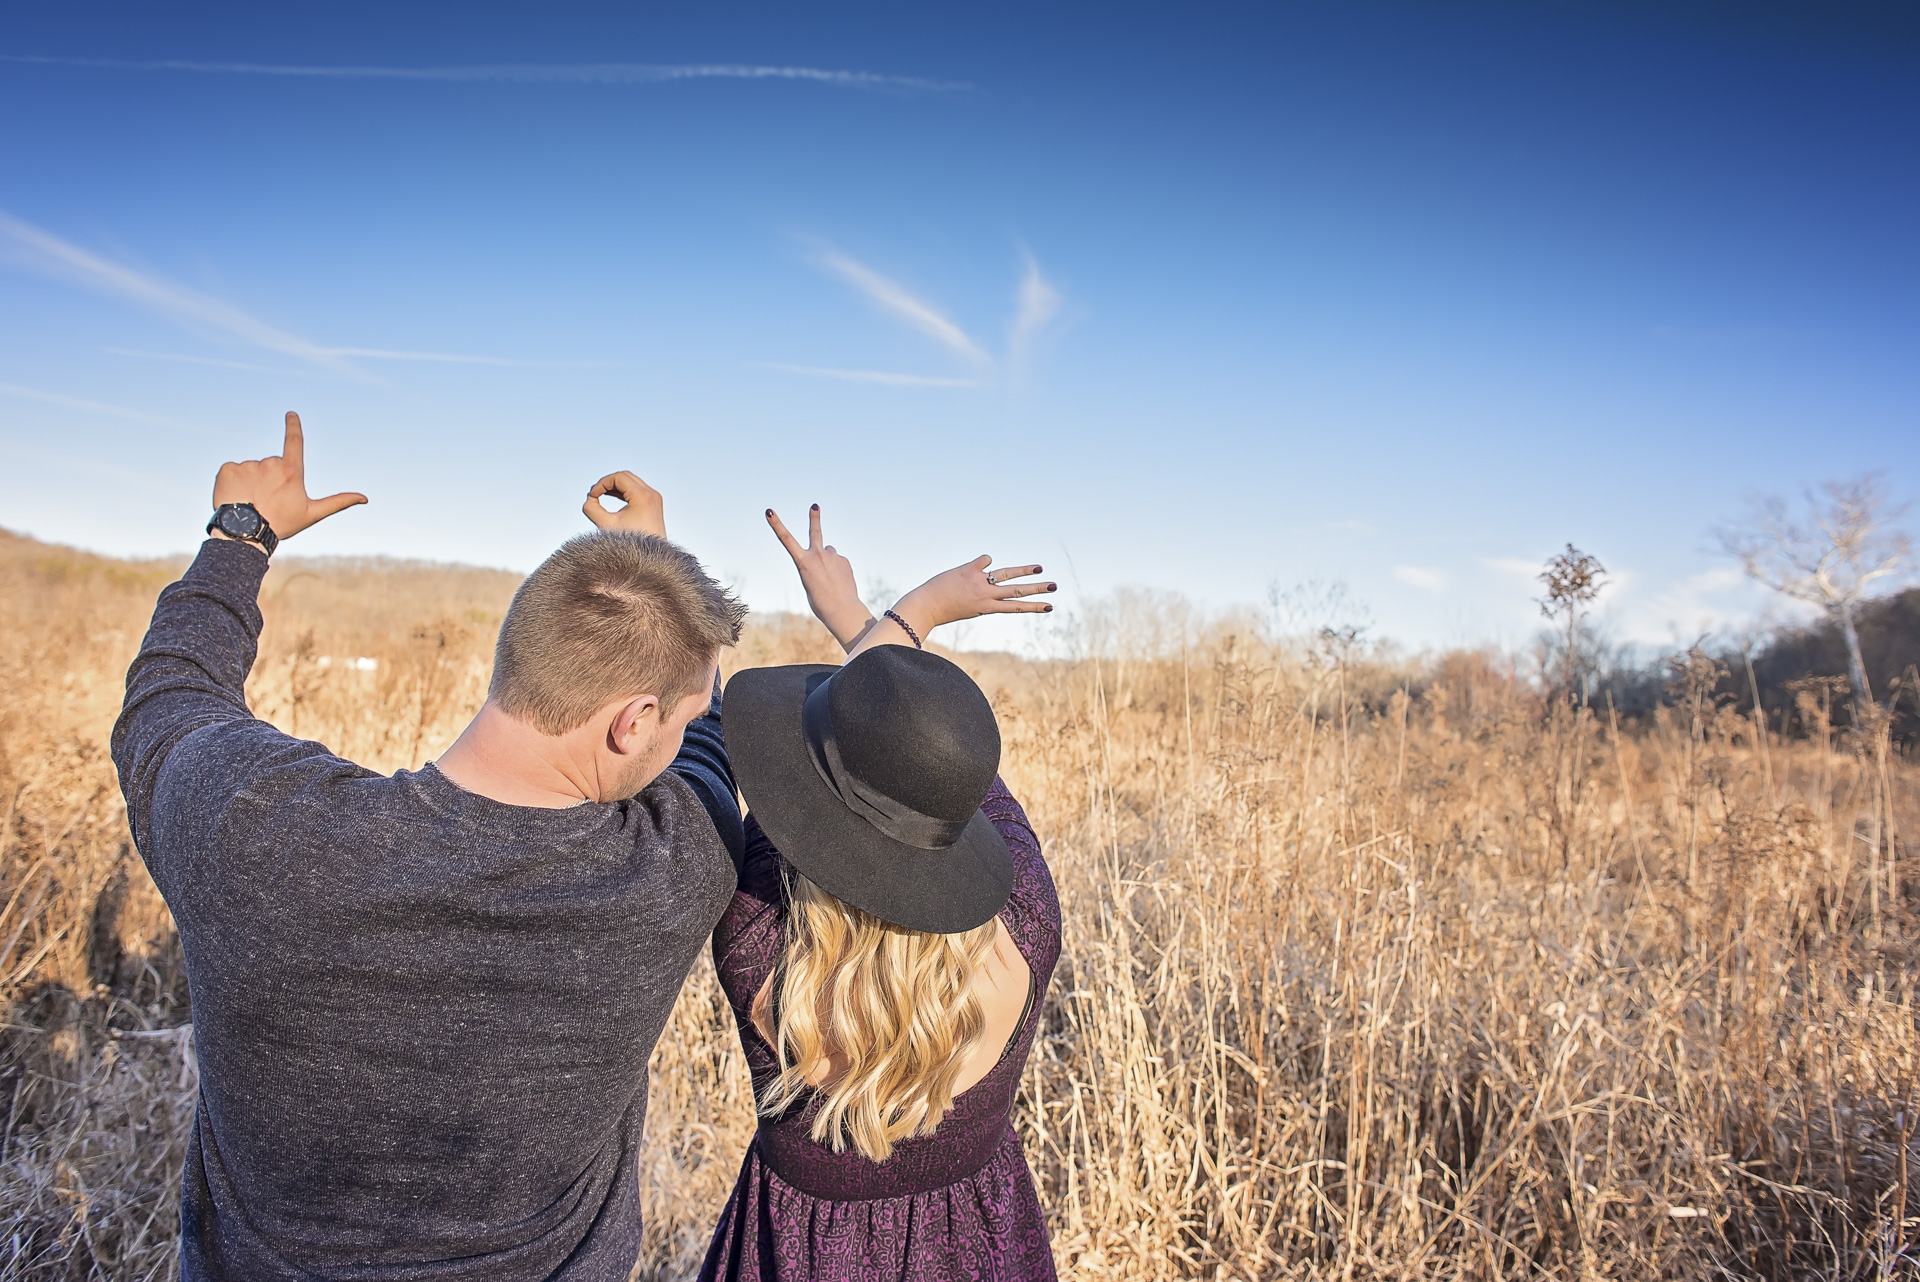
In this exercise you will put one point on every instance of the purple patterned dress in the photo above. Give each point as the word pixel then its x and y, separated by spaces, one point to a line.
pixel 958 1204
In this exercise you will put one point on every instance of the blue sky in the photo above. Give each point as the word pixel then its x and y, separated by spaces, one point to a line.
pixel 1198 298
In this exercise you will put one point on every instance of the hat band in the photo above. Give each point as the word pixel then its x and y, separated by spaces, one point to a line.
pixel 893 818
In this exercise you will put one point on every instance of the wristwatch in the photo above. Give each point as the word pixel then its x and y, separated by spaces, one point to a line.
pixel 243 521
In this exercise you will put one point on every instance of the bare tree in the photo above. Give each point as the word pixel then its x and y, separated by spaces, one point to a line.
pixel 1846 544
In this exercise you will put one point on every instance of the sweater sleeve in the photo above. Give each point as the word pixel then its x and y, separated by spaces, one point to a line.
pixel 703 763
pixel 191 671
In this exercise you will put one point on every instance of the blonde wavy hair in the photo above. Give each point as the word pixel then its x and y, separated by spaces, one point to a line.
pixel 895 1006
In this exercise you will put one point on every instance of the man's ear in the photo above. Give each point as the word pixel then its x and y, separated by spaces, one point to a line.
pixel 632 728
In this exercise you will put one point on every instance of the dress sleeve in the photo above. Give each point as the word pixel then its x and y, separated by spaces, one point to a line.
pixel 1032 913
pixel 747 942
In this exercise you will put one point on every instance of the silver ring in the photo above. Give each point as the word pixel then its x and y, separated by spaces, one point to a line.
pixel 990 579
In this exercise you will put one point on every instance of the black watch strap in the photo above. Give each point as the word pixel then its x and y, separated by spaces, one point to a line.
pixel 243 521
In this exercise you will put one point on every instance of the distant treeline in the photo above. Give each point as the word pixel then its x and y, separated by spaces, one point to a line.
pixel 1788 668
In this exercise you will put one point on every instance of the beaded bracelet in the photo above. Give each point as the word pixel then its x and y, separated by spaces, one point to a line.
pixel 905 627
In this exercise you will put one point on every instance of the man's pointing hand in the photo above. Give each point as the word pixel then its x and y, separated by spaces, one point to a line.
pixel 277 487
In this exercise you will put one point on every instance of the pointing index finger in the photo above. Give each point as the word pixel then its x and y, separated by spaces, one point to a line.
pixel 294 451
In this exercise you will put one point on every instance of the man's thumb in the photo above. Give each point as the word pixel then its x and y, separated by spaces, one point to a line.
pixel 327 506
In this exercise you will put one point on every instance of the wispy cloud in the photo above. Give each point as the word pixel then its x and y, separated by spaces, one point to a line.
pixel 1036 306
pixel 42 251
pixel 364 353
pixel 96 407
pixel 1417 576
pixel 592 73
pixel 1685 608
pixel 1513 567
pixel 455 358
pixel 872 376
pixel 181 358
pixel 39 250
pixel 891 296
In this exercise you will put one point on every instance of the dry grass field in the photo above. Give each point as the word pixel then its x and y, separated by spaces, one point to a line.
pixel 1371 970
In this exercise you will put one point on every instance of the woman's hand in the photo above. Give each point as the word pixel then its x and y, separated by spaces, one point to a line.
pixel 964 592
pixel 828 578
pixel 645 511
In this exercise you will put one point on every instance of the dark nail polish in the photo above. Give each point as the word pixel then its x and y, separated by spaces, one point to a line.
pixel 769 511
pixel 816 507
pixel 1053 587
pixel 1048 610
pixel 1038 568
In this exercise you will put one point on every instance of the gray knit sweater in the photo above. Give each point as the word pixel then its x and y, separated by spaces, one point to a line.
pixel 422 1017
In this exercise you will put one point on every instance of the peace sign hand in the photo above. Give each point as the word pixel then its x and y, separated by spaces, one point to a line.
pixel 828 578
pixel 277 487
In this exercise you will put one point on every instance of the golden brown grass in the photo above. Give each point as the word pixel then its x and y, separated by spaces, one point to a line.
pixel 1369 972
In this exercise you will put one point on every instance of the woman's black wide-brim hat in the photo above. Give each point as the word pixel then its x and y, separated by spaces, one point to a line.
pixel 869 779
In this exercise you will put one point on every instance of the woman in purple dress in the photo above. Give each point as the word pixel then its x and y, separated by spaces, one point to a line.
pixel 887 953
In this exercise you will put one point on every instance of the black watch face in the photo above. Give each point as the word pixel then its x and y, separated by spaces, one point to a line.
pixel 240 522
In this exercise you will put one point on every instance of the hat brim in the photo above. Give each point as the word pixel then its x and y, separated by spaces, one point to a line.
pixel 942 891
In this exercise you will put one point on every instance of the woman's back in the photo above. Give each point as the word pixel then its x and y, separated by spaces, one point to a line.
pixel 955 1203
pixel 1000 987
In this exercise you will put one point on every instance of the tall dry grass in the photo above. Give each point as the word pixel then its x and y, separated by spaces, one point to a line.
pixel 1370 970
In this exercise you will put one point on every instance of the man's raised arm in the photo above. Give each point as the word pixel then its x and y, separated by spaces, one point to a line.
pixel 702 759
pixel 192 668
pixel 703 763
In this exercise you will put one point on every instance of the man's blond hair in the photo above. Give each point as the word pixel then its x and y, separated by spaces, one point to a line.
pixel 610 615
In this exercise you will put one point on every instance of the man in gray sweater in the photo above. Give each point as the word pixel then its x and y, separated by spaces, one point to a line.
pixel 423 1004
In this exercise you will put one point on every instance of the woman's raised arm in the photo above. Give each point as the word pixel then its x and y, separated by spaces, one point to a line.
pixel 828 578
pixel 964 592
